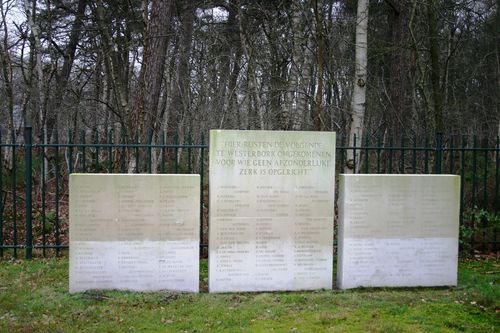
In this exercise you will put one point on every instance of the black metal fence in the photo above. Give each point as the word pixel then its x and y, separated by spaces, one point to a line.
pixel 34 179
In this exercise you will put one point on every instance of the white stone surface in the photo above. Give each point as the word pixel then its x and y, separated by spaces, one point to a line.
pixel 134 232
pixel 398 230
pixel 271 210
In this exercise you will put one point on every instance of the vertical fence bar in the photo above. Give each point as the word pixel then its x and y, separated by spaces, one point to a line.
pixel 176 150
pixel 189 153
pixel 56 176
pixel 342 152
pixel 414 155
pixel 485 193
pixel 462 179
pixel 137 153
pixel 474 171
pixel 402 157
pixel 83 163
pixel 379 151
pixel 354 153
pixel 97 167
pixel 485 175
pixel 28 186
pixel 1 197
pixel 70 152
pixel 110 150
pixel 439 152
pixel 474 190
pixel 44 195
pixel 163 151
pixel 451 156
pixel 150 152
pixel 124 151
pixel 426 156
pixel 202 150
pixel 14 193
pixel 497 185
pixel 391 145
pixel 497 175
pixel 366 154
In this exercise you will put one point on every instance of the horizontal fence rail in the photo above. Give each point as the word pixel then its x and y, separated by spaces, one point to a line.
pixel 34 179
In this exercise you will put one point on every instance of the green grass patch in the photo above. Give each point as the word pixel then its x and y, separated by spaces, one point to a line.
pixel 34 298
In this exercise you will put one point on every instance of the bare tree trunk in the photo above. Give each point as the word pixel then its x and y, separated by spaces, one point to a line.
pixel 296 64
pixel 252 79
pixel 152 71
pixel 497 49
pixel 320 59
pixel 227 89
pixel 36 81
pixel 180 104
pixel 147 114
pixel 437 95
pixel 36 71
pixel 418 73
pixel 398 117
pixel 303 90
pixel 63 75
pixel 232 104
pixel 358 104
pixel 8 85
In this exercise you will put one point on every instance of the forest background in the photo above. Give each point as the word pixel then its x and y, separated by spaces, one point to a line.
pixel 143 67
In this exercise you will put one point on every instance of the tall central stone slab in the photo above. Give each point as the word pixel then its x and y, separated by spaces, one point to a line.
pixel 271 210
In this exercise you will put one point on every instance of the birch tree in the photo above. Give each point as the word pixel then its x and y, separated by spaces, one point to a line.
pixel 358 104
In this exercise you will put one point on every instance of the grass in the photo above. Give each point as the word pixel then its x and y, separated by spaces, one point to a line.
pixel 34 298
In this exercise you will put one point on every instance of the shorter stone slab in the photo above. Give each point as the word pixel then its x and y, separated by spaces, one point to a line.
pixel 134 232
pixel 398 230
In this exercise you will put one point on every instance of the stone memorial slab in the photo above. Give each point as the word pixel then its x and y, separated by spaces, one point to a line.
pixel 398 230
pixel 134 232
pixel 271 210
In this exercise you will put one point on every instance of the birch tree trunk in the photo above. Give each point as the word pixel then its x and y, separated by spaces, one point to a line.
pixel 36 74
pixel 358 103
pixel 298 53
pixel 320 59
pixel 303 88
pixel 36 71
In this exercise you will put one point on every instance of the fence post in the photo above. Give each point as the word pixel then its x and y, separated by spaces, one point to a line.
pixel 354 154
pixel 439 151
pixel 2 196
pixel 201 191
pixel 28 187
